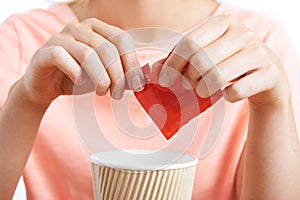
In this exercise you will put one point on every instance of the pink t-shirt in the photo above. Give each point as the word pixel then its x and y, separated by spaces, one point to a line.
pixel 59 168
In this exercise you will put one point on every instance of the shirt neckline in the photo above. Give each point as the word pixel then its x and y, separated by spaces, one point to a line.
pixel 71 16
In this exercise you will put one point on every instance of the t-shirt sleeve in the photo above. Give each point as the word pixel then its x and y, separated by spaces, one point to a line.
pixel 10 57
pixel 279 41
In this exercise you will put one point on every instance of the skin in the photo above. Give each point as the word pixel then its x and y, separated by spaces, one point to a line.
pixel 246 68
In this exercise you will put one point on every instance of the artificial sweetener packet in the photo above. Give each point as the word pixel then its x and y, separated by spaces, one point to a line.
pixel 171 108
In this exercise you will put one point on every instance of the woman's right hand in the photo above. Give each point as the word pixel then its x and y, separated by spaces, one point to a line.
pixel 102 52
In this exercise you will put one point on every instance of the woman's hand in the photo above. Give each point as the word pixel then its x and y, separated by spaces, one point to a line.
pixel 94 55
pixel 224 54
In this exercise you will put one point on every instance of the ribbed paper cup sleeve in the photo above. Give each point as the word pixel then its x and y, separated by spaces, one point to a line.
pixel 143 181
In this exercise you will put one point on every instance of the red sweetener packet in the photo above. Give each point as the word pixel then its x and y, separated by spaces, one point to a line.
pixel 171 108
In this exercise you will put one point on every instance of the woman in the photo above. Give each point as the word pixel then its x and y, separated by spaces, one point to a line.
pixel 43 52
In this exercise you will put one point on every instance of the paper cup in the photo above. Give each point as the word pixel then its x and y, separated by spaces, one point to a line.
pixel 143 175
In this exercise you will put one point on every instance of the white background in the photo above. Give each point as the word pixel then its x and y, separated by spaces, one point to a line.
pixel 285 11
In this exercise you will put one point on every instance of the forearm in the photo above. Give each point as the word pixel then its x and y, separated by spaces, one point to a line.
pixel 19 123
pixel 271 168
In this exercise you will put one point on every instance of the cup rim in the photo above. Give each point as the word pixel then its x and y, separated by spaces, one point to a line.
pixel 142 159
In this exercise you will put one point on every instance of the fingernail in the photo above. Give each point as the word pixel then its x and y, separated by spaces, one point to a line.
pixel 118 95
pixel 137 83
pixel 164 80
pixel 186 85
pixel 102 92
pixel 202 90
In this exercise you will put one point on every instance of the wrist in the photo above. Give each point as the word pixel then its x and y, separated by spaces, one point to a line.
pixel 274 99
pixel 266 119
pixel 274 106
pixel 19 97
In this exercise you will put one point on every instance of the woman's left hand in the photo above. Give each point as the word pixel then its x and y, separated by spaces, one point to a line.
pixel 224 54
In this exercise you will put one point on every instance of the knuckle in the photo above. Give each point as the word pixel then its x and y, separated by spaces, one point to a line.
pixel 84 53
pixel 124 41
pixel 224 19
pixel 219 77
pixel 190 44
pixel 131 66
pixel 198 64
pixel 114 31
pixel 70 27
pixel 220 19
pixel 248 36
pixel 91 40
pixel 124 37
pixel 90 21
pixel 55 54
pixel 261 54
pixel 193 74
pixel 230 20
pixel 54 39
pixel 186 48
pixel 256 48
pixel 130 62
pixel 109 47
pixel 107 52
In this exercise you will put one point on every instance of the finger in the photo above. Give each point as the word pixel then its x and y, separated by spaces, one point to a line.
pixel 234 40
pixel 248 86
pixel 107 53
pixel 184 50
pixel 133 72
pixel 231 43
pixel 157 64
pixel 212 29
pixel 216 52
pixel 126 48
pixel 87 58
pixel 231 69
pixel 110 57
pixel 176 61
pixel 199 64
pixel 97 72
pixel 189 80
pixel 57 56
